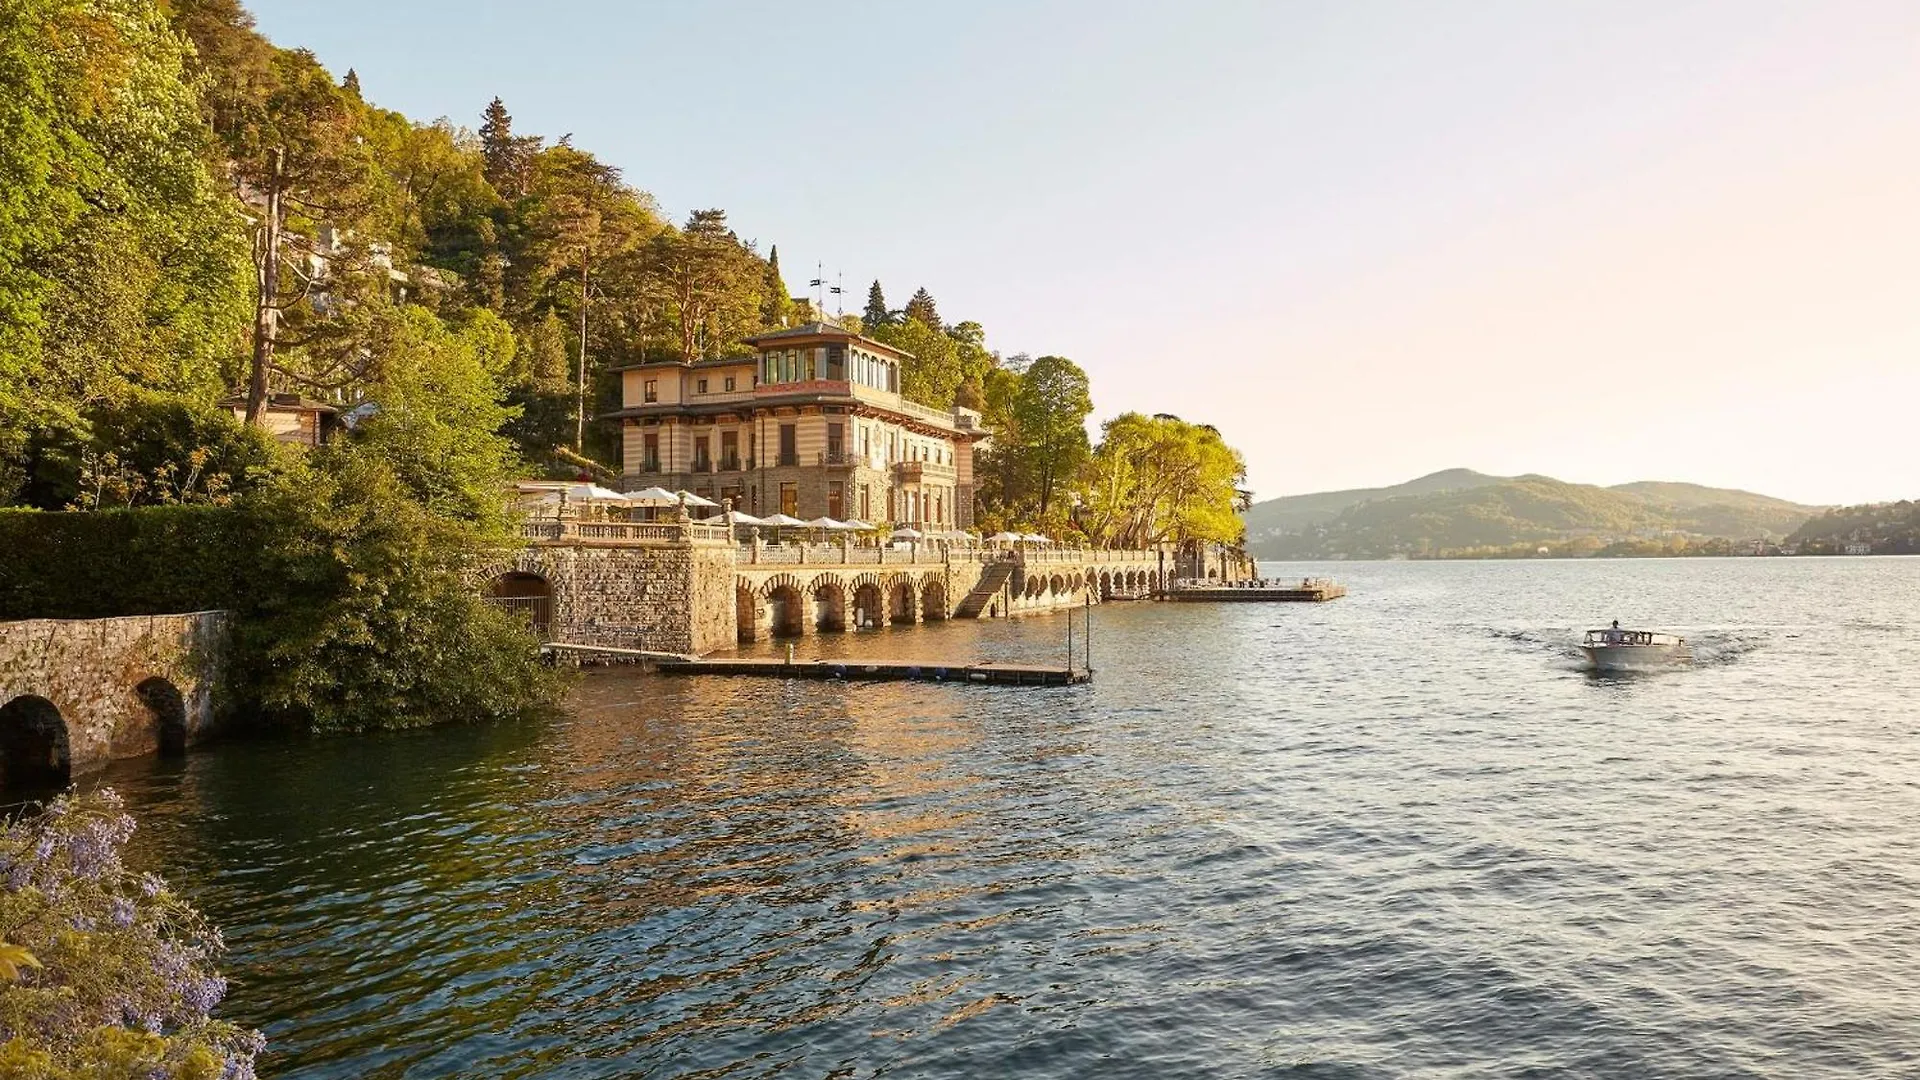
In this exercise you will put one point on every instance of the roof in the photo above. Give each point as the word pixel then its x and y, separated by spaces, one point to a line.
pixel 721 361
pixel 287 402
pixel 820 329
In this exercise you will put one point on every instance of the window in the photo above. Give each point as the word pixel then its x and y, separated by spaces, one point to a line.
pixel 790 498
pixel 728 384
pixel 866 503
pixel 650 454
pixel 652 391
pixel 702 461
pixel 730 450
pixel 789 443
pixel 836 452
pixel 700 387
pixel 836 498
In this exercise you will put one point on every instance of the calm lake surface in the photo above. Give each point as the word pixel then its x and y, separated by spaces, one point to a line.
pixel 1400 834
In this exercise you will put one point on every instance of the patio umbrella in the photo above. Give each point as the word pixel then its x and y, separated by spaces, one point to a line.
pixel 907 533
pixel 1005 538
pixel 1036 538
pixel 826 523
pixel 859 526
pixel 592 493
pixel 691 499
pixel 784 521
pixel 653 496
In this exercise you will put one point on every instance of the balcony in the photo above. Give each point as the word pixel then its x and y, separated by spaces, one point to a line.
pixel 788 459
pixel 914 471
pixel 837 457
pixel 732 463
pixel 652 465
pixel 704 465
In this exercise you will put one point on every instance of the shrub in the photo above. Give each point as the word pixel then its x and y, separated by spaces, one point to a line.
pixel 108 972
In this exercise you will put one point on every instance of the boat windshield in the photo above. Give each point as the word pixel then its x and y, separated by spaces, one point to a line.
pixel 1630 637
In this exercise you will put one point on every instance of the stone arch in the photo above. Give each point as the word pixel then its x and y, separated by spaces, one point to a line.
pixel 35 750
pixel 526 594
pixel 901 596
pixel 933 597
pixel 1057 585
pixel 1105 582
pixel 166 728
pixel 829 595
pixel 787 602
pixel 869 602
pixel 749 613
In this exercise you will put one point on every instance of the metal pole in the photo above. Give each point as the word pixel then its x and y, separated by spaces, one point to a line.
pixel 1088 647
pixel 1069 642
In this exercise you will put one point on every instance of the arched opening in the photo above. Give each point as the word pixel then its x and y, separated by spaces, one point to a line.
pixel 529 596
pixel 785 611
pixel 933 599
pixel 169 710
pixel 746 621
pixel 829 606
pixel 34 755
pixel 1106 586
pixel 902 601
pixel 867 610
pixel 1057 585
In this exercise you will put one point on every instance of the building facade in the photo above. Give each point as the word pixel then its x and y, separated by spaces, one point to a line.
pixel 811 424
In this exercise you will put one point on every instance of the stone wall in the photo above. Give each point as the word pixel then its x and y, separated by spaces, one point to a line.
pixel 120 687
pixel 667 597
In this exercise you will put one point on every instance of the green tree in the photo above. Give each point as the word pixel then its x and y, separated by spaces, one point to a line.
pixel 775 302
pixel 1159 479
pixel 921 307
pixel 120 266
pixel 933 372
pixel 1051 413
pixel 876 314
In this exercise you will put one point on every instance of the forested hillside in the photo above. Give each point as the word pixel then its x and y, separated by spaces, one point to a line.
pixel 1886 528
pixel 1476 514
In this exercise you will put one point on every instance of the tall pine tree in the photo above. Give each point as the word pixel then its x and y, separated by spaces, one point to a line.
pixel 774 301
pixel 876 314
pixel 921 307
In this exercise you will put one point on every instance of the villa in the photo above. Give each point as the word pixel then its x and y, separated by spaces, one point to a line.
pixel 811 423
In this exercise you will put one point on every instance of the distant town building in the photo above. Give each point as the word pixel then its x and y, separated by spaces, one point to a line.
pixel 811 424
pixel 1856 547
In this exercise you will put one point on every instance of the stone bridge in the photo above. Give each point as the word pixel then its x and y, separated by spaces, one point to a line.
pixel 78 693
pixel 687 587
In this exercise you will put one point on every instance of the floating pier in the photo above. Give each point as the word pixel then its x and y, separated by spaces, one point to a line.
pixel 879 671
pixel 1311 590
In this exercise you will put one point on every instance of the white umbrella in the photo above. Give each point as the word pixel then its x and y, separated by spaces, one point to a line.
pixel 826 523
pixel 858 526
pixel 1004 538
pixel 1036 538
pixel 691 499
pixel 907 533
pixel 653 496
pixel 592 493
pixel 735 517
pixel 784 521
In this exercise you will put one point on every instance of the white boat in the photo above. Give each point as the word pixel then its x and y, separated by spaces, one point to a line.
pixel 1634 650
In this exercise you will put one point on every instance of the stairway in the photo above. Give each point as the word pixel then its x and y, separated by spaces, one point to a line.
pixel 993 577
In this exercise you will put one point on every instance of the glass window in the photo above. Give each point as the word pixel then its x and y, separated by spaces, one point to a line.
pixel 701 387
pixel 728 385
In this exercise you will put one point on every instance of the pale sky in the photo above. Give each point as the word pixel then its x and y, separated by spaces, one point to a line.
pixel 1601 241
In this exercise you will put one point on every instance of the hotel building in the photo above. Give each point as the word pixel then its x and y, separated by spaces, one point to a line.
pixel 811 423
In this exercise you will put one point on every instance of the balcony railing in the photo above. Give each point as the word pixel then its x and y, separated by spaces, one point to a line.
pixel 837 457
pixel 703 466
pixel 788 459
pixel 732 464
pixel 569 530
pixel 918 470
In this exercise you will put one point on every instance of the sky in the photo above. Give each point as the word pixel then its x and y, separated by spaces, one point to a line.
pixel 1367 241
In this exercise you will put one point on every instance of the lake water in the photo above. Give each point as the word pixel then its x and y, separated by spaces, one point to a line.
pixel 1396 835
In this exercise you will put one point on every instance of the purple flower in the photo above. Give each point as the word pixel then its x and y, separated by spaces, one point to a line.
pixel 150 885
pixel 122 912
pixel 43 847
pixel 202 994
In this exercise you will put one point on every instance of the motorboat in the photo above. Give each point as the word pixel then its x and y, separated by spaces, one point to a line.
pixel 1634 650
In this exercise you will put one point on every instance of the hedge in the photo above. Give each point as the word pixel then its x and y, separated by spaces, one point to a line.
pixel 149 560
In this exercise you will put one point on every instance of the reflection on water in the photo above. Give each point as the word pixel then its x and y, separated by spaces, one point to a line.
pixel 1393 835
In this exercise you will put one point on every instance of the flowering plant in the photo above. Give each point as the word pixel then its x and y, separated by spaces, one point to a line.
pixel 104 971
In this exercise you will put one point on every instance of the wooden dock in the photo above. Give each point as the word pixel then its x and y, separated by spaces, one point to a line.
pixel 1312 592
pixel 878 671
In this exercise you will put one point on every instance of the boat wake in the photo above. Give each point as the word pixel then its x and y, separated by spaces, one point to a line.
pixel 1711 647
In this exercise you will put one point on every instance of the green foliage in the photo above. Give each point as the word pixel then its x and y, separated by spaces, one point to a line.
pixel 921 307
pixel 366 614
pixel 1050 411
pixel 120 267
pixel 876 314
pixel 113 972
pixel 1157 479
pixel 156 448
pixel 163 559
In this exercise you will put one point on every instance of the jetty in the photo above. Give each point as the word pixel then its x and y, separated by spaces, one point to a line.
pixel 879 671
pixel 1307 590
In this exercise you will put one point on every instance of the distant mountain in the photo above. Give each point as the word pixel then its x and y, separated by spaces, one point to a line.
pixel 1291 513
pixel 1462 512
pixel 1884 529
